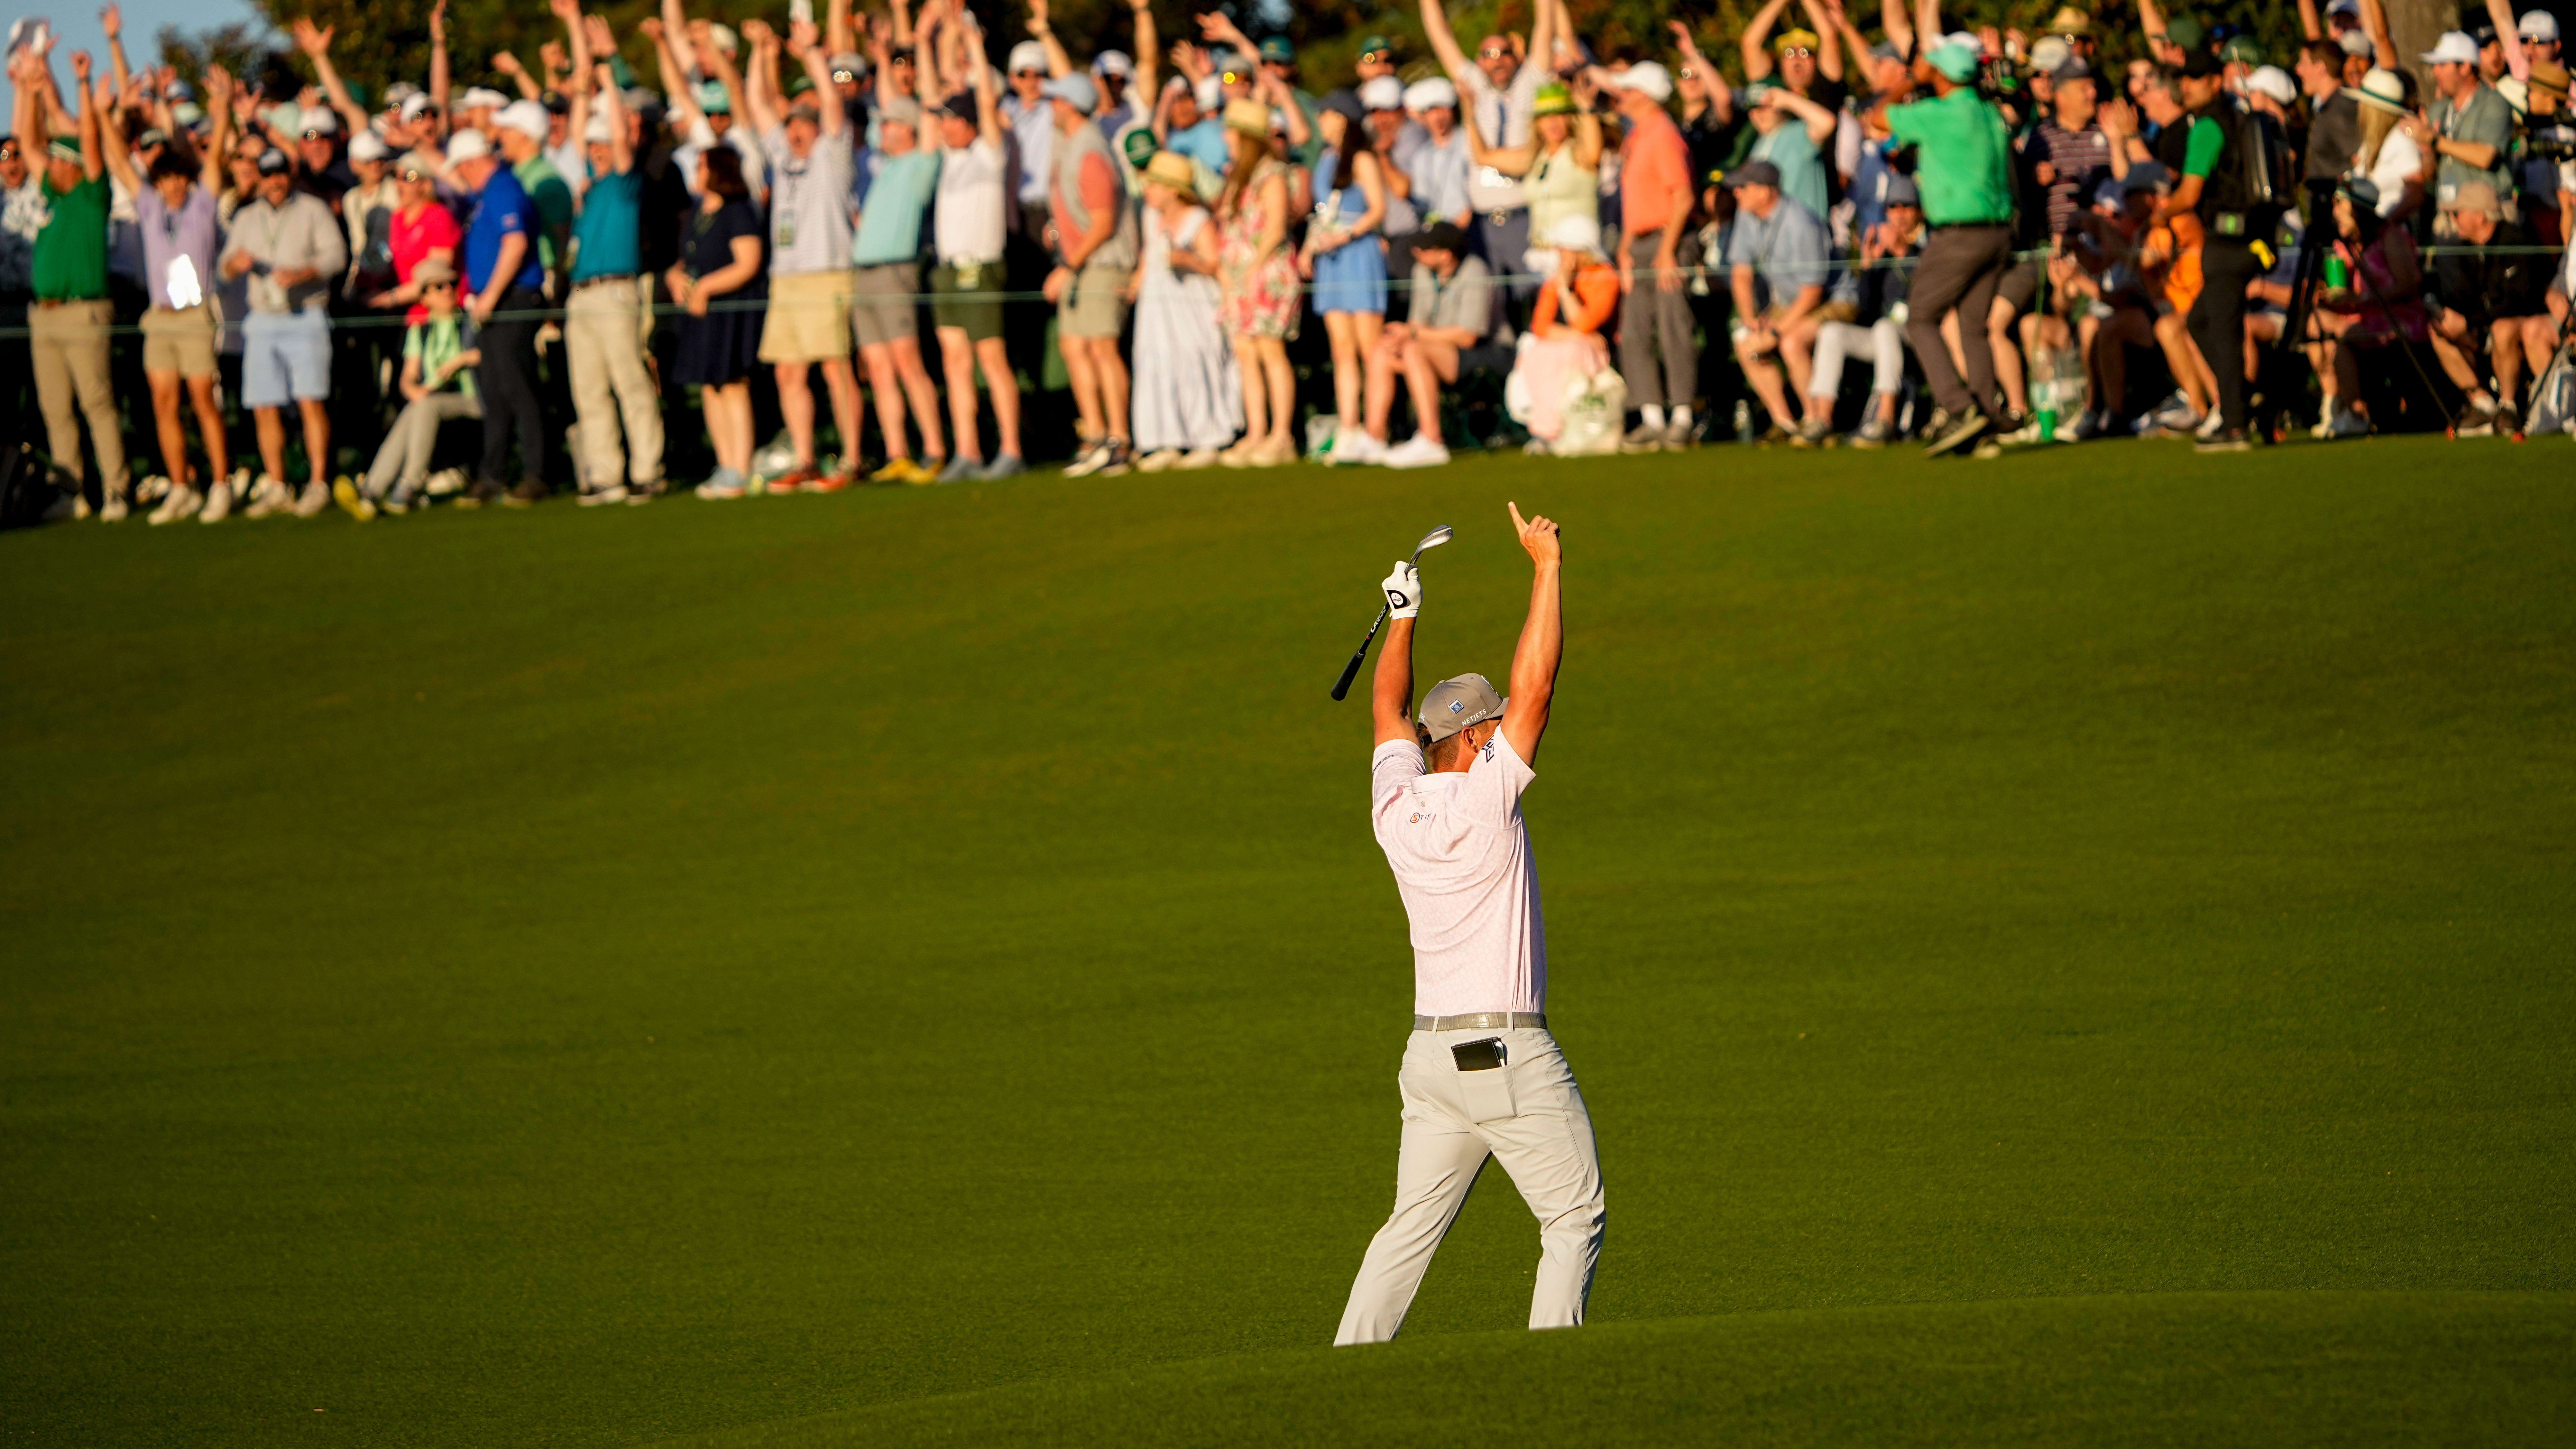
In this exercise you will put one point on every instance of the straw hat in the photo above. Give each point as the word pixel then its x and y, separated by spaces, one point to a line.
pixel 2380 90
pixel 1250 117
pixel 1172 169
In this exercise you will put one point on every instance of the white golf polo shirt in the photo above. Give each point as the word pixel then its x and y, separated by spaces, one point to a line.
pixel 1461 857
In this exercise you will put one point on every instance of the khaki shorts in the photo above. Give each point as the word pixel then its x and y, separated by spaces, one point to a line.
pixel 1095 305
pixel 807 321
pixel 179 341
pixel 881 303
pixel 971 306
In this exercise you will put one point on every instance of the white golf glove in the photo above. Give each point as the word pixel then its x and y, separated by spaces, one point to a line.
pixel 1403 591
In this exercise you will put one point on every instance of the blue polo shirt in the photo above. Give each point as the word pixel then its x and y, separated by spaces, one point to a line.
pixel 609 233
pixel 501 208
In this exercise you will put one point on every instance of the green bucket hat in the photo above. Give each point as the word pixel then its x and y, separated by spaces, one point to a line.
pixel 1553 100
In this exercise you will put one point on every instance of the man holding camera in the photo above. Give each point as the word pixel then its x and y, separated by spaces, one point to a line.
pixel 1481 1076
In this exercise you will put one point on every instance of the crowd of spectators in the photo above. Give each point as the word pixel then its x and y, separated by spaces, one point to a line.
pixel 605 267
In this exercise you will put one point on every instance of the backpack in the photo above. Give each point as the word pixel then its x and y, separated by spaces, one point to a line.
pixel 2256 178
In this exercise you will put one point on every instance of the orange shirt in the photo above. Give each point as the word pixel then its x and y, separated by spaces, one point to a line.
pixel 1596 289
pixel 1654 176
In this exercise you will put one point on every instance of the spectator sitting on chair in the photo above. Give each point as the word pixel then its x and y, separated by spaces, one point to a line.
pixel 2490 303
pixel 1776 259
pixel 2381 302
pixel 1872 293
pixel 1564 341
pixel 437 385
pixel 1451 320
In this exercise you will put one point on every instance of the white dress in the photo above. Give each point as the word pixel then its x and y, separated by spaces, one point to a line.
pixel 1186 394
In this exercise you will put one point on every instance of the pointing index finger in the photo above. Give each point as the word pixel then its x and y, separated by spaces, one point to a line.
pixel 1518 525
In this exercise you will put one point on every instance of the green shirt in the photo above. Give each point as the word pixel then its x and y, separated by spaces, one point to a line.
pixel 71 252
pixel 545 186
pixel 1964 164
pixel 434 340
pixel 2202 146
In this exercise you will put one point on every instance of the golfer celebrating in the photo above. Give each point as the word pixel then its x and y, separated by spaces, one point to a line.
pixel 1481 1075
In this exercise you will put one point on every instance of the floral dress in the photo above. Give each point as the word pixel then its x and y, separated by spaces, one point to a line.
pixel 1260 300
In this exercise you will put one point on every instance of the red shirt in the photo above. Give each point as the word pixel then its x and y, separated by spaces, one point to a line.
pixel 1654 175
pixel 435 229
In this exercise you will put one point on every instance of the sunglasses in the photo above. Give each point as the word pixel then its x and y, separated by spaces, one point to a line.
pixel 415 175
pixel 1375 54
pixel 8 153
pixel 1494 54
pixel 1797 50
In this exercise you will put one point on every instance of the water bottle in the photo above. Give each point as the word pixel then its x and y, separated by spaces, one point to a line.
pixel 1743 421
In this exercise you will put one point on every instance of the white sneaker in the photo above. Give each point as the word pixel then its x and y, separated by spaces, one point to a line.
pixel 1418 451
pixel 445 481
pixel 152 489
pixel 112 509
pixel 1159 460
pixel 268 496
pixel 2209 426
pixel 181 505
pixel 315 498
pixel 219 502
pixel 1355 447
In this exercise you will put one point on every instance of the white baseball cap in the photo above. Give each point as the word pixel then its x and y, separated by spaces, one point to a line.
pixel 2355 42
pixel 1424 95
pixel 1384 93
pixel 1648 79
pixel 2271 80
pixel 2344 7
pixel 528 118
pixel 368 146
pixel 467 146
pixel 596 133
pixel 1113 62
pixel 1027 55
pixel 412 106
pixel 322 121
pixel 481 97
pixel 2454 48
pixel 2537 25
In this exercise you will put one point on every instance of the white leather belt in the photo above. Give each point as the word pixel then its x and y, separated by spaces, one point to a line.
pixel 1482 1021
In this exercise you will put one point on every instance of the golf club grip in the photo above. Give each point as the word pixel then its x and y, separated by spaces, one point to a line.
pixel 1351 671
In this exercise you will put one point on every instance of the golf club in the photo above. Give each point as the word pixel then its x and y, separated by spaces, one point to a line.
pixel 1351 671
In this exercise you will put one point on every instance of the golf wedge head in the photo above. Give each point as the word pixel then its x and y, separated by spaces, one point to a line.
pixel 1433 539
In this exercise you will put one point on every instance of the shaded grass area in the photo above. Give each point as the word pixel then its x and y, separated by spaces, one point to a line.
pixel 578 979
pixel 2161 1369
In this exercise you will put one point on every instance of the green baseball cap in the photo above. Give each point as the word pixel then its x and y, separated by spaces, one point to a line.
pixel 2185 32
pixel 1454 704
pixel 2243 49
pixel 1278 51
pixel 1376 44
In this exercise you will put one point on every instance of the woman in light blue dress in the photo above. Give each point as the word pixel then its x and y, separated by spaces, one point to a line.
pixel 1346 258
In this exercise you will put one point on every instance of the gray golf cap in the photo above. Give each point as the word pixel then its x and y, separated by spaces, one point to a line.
pixel 1454 704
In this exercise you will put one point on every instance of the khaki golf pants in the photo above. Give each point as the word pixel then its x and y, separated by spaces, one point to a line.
pixel 1528 1115
pixel 69 347
pixel 610 382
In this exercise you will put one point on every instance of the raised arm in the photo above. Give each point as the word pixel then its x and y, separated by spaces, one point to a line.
pixel 120 163
pixel 111 23
pixel 219 140
pixel 1444 43
pixel 2374 22
pixel 2508 31
pixel 804 42
pixel 315 42
pixel 836 28
pixel 1391 689
pixel 988 107
pixel 1149 64
pixel 2311 26
pixel 1058 63
pixel 1712 89
pixel 1900 30
pixel 1543 37
pixel 685 115
pixel 438 77
pixel 675 31
pixel 1509 160
pixel 508 64
pixel 1542 643
pixel 577 123
pixel 1819 121
pixel 93 155
pixel 1756 44
pixel 2151 23
pixel 1829 40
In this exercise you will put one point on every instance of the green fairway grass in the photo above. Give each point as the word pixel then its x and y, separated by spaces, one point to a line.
pixel 589 977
